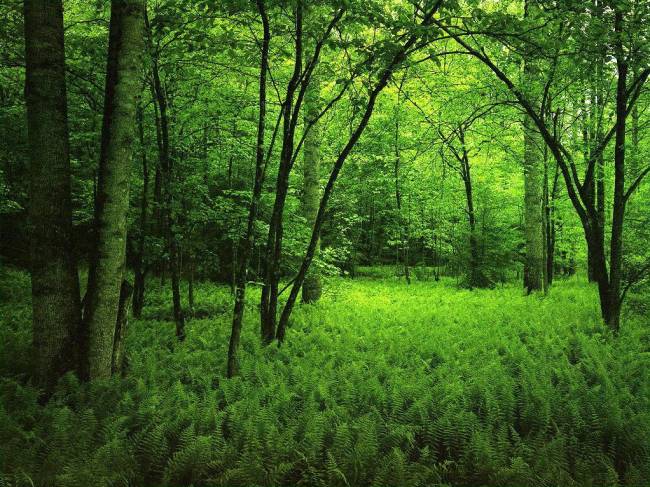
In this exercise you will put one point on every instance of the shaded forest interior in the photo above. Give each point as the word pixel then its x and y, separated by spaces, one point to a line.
pixel 387 243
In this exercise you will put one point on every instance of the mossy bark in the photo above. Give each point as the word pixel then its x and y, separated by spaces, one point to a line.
pixel 312 288
pixel 534 211
pixel 535 261
pixel 121 325
pixel 55 283
pixel 118 133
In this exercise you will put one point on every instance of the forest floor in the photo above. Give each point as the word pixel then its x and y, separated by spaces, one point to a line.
pixel 379 383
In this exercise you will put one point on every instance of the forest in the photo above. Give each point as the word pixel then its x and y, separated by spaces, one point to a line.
pixel 325 243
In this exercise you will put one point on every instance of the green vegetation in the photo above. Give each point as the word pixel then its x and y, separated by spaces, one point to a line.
pixel 380 385
pixel 325 243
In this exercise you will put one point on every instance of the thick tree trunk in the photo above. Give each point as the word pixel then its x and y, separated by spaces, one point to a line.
pixel 249 239
pixel 55 283
pixel 122 91
pixel 312 288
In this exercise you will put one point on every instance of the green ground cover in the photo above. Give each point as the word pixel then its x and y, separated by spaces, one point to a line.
pixel 378 384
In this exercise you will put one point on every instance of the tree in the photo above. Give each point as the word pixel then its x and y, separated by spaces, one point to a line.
pixel 139 267
pixel 297 86
pixel 312 288
pixel 248 241
pixel 623 33
pixel 535 278
pixel 125 48
pixel 55 283
pixel 166 165
pixel 397 57
pixel 403 222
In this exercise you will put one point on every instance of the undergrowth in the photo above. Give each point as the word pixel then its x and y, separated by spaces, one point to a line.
pixel 379 384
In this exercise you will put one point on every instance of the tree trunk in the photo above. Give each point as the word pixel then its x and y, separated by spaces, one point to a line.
pixel 476 278
pixel 56 305
pixel 174 263
pixel 550 226
pixel 121 324
pixel 535 261
pixel 534 226
pixel 108 266
pixel 139 266
pixel 249 239
pixel 270 290
pixel 190 286
pixel 396 61
pixel 312 288
pixel 403 229
pixel 618 211
pixel 166 170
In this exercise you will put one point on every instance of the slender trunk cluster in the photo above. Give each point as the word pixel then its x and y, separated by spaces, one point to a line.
pixel 270 290
pixel 399 56
pixel 608 276
pixel 297 88
pixel 249 237
pixel 166 216
pixel 476 277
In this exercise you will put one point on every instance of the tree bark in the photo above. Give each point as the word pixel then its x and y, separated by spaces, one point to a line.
pixel 56 305
pixel 551 197
pixel 403 227
pixel 535 262
pixel 190 285
pixel 312 288
pixel 534 225
pixel 112 203
pixel 476 277
pixel 140 269
pixel 618 210
pixel 121 324
pixel 167 211
pixel 249 239
pixel 384 76
pixel 270 290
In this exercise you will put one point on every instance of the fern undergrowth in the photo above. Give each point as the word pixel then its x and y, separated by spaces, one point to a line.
pixel 379 384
